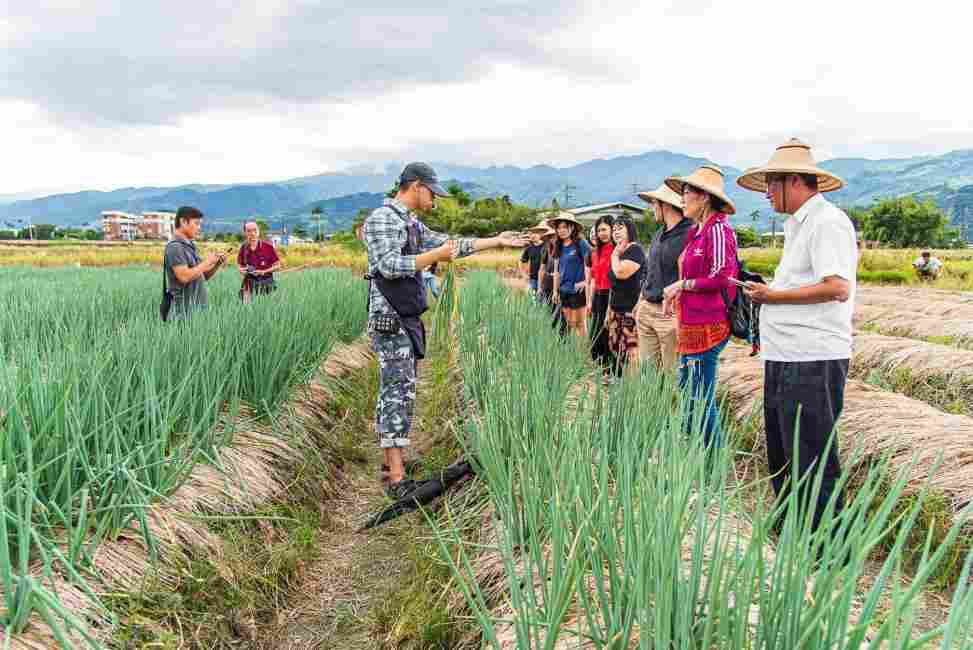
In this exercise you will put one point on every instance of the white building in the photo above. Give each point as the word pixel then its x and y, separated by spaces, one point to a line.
pixel 122 226
pixel 158 225
pixel 118 225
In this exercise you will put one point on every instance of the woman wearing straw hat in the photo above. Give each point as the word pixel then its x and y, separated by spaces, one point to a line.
pixel 805 319
pixel 571 275
pixel 545 275
pixel 657 332
pixel 708 266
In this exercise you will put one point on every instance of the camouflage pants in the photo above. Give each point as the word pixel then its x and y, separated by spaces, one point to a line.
pixel 397 388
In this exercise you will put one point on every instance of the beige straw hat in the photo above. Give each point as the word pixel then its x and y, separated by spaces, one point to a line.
pixel 792 157
pixel 664 194
pixel 708 178
pixel 542 228
pixel 564 216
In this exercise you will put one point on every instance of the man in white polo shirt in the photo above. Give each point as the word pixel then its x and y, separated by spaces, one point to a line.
pixel 805 319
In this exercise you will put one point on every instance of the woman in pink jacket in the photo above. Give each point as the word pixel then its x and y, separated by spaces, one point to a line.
pixel 701 296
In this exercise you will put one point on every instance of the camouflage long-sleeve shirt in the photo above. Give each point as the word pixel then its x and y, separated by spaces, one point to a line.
pixel 386 232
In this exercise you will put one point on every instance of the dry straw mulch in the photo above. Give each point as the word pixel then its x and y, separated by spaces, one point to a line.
pixel 930 302
pixel 878 422
pixel 922 359
pixel 901 321
pixel 936 373
pixel 249 476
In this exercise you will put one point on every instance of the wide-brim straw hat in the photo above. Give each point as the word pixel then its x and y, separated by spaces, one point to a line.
pixel 564 216
pixel 792 157
pixel 542 228
pixel 708 178
pixel 665 194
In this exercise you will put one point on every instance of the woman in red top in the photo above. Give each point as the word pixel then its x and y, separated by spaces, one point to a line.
pixel 707 268
pixel 257 261
pixel 599 288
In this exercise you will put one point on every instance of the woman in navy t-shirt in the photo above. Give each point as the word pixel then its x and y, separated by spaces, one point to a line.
pixel 571 275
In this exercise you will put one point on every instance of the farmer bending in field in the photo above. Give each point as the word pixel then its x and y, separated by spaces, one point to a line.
pixel 256 261
pixel 927 267
pixel 400 247
pixel 805 320
pixel 185 272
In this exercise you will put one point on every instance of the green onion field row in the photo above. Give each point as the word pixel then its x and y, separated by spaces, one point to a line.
pixel 105 409
pixel 617 529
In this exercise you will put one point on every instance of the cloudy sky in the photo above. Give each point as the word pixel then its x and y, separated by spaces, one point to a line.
pixel 132 92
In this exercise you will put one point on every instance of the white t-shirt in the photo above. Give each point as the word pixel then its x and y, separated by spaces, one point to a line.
pixel 819 241
pixel 933 265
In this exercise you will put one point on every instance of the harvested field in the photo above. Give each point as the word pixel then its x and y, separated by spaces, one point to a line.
pixel 878 422
pixel 897 322
pixel 937 374
pixel 911 300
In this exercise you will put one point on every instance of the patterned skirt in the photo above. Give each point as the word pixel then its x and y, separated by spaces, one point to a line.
pixel 623 334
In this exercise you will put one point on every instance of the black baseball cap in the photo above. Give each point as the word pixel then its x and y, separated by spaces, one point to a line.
pixel 419 171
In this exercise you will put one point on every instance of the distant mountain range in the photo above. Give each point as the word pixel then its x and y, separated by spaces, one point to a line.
pixel 947 179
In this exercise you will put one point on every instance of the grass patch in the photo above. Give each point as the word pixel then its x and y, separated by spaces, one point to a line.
pixel 219 602
pixel 416 616
pixel 933 524
pixel 951 397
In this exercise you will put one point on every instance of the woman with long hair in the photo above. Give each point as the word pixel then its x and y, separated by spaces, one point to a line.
pixel 625 273
pixel 571 275
pixel 702 294
pixel 599 288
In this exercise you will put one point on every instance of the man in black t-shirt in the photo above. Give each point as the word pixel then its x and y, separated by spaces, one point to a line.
pixel 530 260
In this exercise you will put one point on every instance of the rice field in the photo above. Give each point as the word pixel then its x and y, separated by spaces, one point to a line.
pixel 884 266
pixel 611 526
pixel 107 411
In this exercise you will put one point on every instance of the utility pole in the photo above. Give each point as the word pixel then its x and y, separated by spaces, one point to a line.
pixel 568 188
pixel 316 215
pixel 773 231
pixel 635 189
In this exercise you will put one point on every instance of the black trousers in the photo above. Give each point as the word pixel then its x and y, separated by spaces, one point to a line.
pixel 599 330
pixel 817 390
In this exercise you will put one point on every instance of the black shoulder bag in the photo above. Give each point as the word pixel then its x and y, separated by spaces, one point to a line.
pixel 166 303
pixel 744 319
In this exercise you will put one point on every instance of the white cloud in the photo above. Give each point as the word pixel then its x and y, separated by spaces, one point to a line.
pixel 164 93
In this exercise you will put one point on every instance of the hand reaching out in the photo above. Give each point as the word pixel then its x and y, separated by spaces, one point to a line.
pixel 512 239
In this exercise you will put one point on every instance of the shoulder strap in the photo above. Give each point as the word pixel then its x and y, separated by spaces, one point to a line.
pixel 171 241
pixel 165 289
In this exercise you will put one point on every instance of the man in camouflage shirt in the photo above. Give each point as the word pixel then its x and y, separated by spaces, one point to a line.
pixel 400 247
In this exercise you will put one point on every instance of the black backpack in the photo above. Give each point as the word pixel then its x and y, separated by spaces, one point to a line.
pixel 743 314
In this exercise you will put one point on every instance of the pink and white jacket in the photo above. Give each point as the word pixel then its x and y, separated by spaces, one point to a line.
pixel 709 258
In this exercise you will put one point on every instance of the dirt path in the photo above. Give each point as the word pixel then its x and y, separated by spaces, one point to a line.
pixel 342 599
pixel 340 592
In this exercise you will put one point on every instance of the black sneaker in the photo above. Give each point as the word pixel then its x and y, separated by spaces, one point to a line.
pixel 400 490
